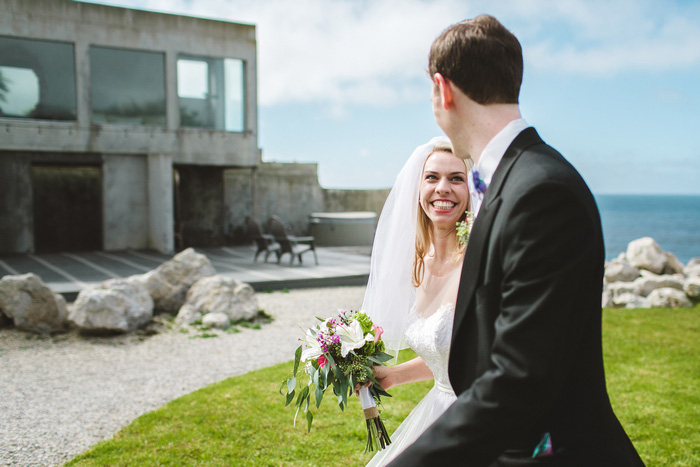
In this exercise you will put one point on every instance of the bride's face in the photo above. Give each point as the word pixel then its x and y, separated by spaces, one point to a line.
pixel 444 194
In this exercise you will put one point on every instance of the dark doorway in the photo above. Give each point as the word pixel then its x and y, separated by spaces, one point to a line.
pixel 199 206
pixel 67 206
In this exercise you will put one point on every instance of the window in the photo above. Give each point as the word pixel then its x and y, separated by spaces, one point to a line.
pixel 127 86
pixel 37 79
pixel 211 93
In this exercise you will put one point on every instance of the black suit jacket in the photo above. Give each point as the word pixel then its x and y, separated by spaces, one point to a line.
pixel 526 356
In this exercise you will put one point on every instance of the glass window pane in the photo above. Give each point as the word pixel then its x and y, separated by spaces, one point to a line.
pixel 192 79
pixel 127 86
pixel 37 79
pixel 211 93
pixel 234 94
pixel 193 93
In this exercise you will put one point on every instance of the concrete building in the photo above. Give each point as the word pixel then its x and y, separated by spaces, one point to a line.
pixel 123 129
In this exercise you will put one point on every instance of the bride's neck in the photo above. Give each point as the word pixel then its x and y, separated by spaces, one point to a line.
pixel 445 247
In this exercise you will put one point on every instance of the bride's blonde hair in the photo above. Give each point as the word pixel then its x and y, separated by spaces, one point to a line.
pixel 424 234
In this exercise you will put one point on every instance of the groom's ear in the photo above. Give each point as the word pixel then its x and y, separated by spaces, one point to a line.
pixel 444 88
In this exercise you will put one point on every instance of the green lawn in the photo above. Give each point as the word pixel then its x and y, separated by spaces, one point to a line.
pixel 653 374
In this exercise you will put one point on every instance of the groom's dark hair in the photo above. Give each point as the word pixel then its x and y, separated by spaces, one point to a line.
pixel 482 58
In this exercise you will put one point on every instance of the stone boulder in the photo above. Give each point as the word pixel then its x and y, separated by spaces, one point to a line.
pixel 673 264
pixel 218 294
pixel 216 320
pixel 645 253
pixel 168 284
pixel 692 268
pixel 607 299
pixel 31 305
pixel 113 306
pixel 669 298
pixel 620 271
pixel 630 300
pixel 618 288
pixel 691 287
pixel 645 285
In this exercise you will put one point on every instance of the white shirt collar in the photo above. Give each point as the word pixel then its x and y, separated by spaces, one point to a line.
pixel 493 152
pixel 491 156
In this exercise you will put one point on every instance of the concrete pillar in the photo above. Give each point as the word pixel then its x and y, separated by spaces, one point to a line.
pixel 16 218
pixel 125 200
pixel 82 82
pixel 160 202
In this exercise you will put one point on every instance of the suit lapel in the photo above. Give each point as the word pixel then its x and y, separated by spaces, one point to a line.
pixel 475 255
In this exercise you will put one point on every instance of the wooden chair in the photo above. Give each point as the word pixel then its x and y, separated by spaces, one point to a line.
pixel 264 242
pixel 291 244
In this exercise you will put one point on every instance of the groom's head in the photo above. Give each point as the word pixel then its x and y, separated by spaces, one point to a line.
pixel 482 58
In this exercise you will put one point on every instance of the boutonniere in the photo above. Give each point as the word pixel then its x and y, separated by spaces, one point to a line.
pixel 464 227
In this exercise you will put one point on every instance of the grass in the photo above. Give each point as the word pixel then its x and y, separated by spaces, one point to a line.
pixel 653 375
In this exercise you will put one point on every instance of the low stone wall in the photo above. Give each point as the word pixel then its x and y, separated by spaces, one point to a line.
pixel 354 200
pixel 290 191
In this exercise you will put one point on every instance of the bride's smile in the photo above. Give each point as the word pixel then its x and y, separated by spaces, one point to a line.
pixel 443 192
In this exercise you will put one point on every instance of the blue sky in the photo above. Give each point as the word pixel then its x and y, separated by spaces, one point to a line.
pixel 613 85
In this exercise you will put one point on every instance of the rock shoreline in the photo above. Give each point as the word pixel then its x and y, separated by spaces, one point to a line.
pixel 646 276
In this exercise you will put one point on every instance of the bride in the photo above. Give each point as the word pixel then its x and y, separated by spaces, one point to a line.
pixel 414 277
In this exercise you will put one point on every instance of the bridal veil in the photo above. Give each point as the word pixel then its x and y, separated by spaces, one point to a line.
pixel 390 292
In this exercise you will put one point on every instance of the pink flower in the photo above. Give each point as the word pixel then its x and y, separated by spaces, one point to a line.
pixel 322 361
pixel 378 331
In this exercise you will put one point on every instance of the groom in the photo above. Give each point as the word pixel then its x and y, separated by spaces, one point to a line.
pixel 526 360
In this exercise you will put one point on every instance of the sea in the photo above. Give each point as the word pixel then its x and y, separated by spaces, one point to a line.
pixel 672 220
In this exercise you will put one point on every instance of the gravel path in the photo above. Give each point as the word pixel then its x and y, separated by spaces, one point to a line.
pixel 61 395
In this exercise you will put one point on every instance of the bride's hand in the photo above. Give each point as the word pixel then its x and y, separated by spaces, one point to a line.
pixel 382 375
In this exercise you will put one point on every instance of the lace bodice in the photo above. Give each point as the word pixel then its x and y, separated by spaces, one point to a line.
pixel 430 338
pixel 429 327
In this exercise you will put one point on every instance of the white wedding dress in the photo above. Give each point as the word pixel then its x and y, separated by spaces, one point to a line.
pixel 428 333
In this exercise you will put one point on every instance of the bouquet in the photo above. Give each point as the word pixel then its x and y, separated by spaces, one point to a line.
pixel 464 228
pixel 340 352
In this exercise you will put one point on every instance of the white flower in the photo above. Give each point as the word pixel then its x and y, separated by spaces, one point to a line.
pixel 313 346
pixel 351 337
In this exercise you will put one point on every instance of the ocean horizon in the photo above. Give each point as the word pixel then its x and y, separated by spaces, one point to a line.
pixel 672 220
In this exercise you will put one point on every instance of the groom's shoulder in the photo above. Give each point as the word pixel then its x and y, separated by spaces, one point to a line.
pixel 540 164
pixel 540 160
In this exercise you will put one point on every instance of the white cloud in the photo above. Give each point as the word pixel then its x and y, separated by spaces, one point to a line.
pixel 345 52
pixel 341 52
pixel 599 37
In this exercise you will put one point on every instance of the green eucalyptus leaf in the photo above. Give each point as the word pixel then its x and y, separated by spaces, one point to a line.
pixel 340 403
pixel 283 385
pixel 291 384
pixel 319 396
pixel 344 390
pixel 309 420
pixel 313 377
pixel 297 358
pixel 383 356
pixel 296 414
pixel 290 397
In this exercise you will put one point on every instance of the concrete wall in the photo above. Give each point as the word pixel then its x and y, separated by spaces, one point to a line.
pixel 354 200
pixel 289 191
pixel 239 195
